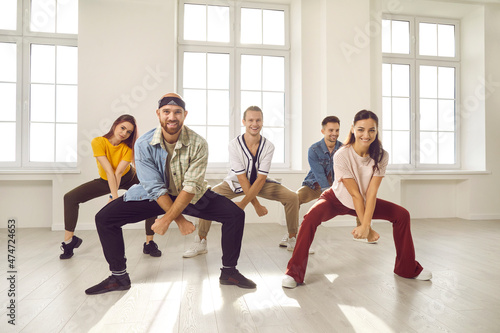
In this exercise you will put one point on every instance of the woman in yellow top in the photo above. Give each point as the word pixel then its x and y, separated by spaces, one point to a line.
pixel 114 153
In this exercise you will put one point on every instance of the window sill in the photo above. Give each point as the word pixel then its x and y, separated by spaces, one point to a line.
pixel 437 172
pixel 39 174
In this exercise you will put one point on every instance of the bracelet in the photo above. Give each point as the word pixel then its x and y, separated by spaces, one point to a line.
pixel 111 196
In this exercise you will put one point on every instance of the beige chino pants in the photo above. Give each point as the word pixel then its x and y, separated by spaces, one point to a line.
pixel 270 191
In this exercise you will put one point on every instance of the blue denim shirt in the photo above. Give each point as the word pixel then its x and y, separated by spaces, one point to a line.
pixel 321 164
pixel 188 164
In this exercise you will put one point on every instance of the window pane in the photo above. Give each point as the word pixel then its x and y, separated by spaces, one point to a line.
pixel 386 79
pixel 249 98
pixel 446 148
pixel 386 36
pixel 8 135
pixel 428 81
pixel 274 109
pixel 218 24
pixel 274 73
pixel 277 137
pixel 196 101
pixel 195 22
pixel 7 102
pixel 43 15
pixel 401 147
pixel 194 70
pixel 387 143
pixel 8 63
pixel 428 115
pixel 43 61
pixel 401 80
pixel 386 113
pixel 218 107
pixel 251 72
pixel 201 130
pixel 67 65
pixel 67 16
pixel 446 115
pixel 8 14
pixel 401 37
pixel 67 104
pixel 446 40
pixel 42 142
pixel 446 82
pixel 428 39
pixel 42 103
pixel 218 140
pixel 274 27
pixel 251 26
pixel 401 114
pixel 218 71
pixel 428 147
pixel 66 135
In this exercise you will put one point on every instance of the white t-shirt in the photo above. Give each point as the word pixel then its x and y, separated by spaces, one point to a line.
pixel 241 161
pixel 348 164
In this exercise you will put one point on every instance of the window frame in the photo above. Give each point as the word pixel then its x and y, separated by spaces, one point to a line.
pixel 23 38
pixel 414 60
pixel 235 49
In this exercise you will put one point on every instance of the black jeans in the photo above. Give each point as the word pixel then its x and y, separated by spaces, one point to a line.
pixel 212 206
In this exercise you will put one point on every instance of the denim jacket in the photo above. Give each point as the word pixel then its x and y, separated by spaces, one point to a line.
pixel 321 164
pixel 188 166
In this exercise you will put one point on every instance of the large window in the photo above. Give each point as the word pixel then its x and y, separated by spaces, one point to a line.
pixel 38 83
pixel 420 80
pixel 232 56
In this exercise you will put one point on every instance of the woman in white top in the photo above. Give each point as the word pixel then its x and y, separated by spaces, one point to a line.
pixel 359 168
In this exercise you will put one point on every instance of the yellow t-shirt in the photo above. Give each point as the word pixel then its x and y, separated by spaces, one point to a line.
pixel 115 154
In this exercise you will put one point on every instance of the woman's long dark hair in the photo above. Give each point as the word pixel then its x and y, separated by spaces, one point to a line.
pixel 130 141
pixel 375 151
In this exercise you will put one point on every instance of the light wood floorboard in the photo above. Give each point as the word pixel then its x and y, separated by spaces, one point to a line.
pixel 349 286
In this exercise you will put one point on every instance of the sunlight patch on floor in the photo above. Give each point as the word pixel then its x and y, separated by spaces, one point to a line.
pixel 331 277
pixel 363 320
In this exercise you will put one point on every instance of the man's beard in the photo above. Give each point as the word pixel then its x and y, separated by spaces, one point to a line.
pixel 169 130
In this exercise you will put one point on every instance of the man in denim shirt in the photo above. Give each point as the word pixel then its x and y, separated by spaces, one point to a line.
pixel 171 161
pixel 320 157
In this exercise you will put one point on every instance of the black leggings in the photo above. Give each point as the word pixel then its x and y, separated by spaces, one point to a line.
pixel 94 189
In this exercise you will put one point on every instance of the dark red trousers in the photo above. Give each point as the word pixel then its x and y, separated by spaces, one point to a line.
pixel 327 207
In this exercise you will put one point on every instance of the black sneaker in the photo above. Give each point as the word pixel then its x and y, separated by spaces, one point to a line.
pixel 231 276
pixel 151 249
pixel 112 283
pixel 68 248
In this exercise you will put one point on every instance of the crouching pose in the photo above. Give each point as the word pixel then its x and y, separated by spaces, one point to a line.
pixel 171 164
pixel 250 156
pixel 114 154
pixel 359 169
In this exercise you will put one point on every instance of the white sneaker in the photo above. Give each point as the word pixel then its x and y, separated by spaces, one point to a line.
pixel 288 282
pixel 425 275
pixel 199 247
pixel 284 241
pixel 291 243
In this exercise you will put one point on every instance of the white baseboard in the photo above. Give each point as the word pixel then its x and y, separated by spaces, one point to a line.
pixel 484 217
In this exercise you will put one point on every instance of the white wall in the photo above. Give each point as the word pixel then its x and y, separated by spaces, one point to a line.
pixel 127 52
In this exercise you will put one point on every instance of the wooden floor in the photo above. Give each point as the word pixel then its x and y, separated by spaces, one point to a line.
pixel 349 286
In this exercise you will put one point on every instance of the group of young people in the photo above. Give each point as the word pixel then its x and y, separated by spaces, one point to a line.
pixel 169 180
